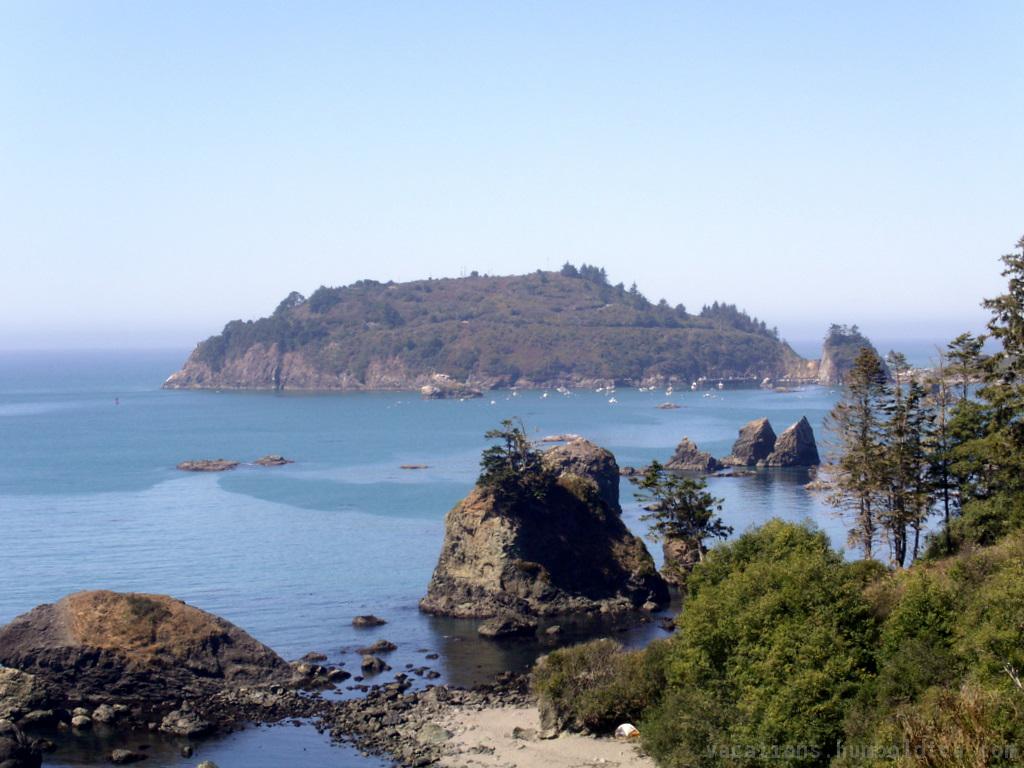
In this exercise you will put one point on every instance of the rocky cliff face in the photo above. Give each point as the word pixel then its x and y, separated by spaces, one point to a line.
pixel 795 447
pixel 689 458
pixel 755 443
pixel 134 647
pixel 569 553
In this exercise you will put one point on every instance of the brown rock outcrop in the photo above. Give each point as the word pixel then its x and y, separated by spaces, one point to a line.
pixel 567 552
pixel 680 558
pixel 689 458
pixel 133 646
pixel 755 443
pixel 795 447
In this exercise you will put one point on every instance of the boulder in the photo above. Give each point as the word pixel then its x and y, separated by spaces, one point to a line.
pixel 373 664
pixel 689 458
pixel 508 625
pixel 680 558
pixel 134 647
pixel 367 620
pixel 126 756
pixel 563 552
pixel 795 447
pixel 381 646
pixel 755 443
pixel 21 693
pixel 184 722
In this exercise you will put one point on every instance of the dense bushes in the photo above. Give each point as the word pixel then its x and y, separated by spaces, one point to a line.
pixel 787 655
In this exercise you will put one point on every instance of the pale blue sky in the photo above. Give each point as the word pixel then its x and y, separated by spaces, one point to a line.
pixel 166 167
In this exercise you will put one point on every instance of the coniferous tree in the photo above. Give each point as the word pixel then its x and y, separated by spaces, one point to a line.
pixel 681 509
pixel 856 470
pixel 513 468
pixel 906 497
pixel 939 448
pixel 965 361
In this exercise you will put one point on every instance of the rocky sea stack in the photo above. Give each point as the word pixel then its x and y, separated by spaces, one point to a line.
pixel 838 353
pixel 758 446
pixel 754 444
pixel 134 648
pixel 795 447
pixel 562 549
pixel 689 458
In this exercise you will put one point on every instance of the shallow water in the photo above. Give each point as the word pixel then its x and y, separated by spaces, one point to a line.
pixel 90 498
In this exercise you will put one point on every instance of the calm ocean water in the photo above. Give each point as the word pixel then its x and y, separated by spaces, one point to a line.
pixel 90 498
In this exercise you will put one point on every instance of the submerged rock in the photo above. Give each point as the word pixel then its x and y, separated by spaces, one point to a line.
pixel 207 465
pixel 795 447
pixel 367 620
pixel 565 552
pixel 509 625
pixel 689 458
pixel 133 646
pixel 755 443
pixel 272 460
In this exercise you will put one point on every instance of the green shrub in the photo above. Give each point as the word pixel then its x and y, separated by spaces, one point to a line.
pixel 598 685
pixel 771 648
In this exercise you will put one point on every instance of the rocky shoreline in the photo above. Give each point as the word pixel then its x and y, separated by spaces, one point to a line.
pixel 390 720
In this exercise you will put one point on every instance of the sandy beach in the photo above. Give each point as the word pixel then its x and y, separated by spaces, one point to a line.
pixel 485 738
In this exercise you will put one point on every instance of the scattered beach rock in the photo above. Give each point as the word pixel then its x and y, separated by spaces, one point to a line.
pixel 313 657
pixel 207 465
pixel 689 458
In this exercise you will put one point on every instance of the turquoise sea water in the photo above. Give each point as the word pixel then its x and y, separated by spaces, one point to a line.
pixel 90 498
